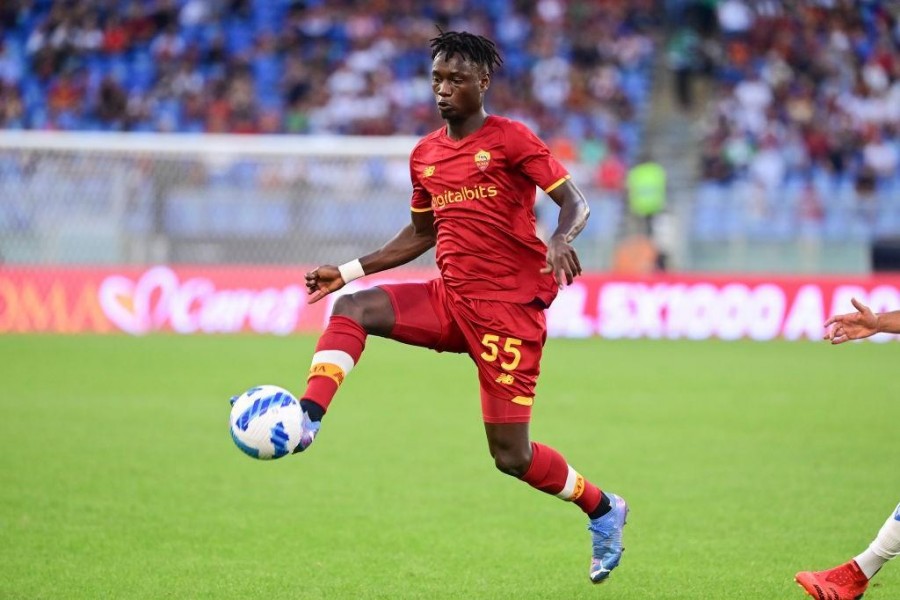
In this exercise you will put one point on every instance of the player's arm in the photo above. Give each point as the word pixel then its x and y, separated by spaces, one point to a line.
pixel 562 260
pixel 410 242
pixel 860 324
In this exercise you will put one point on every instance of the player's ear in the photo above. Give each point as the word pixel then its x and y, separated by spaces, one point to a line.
pixel 485 82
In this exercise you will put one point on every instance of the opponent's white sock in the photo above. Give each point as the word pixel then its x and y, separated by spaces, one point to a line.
pixel 883 548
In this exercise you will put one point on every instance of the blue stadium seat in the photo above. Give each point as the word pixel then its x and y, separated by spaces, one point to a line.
pixel 239 36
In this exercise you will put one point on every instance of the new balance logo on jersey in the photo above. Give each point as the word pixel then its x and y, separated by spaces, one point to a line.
pixel 428 171
pixel 506 379
pixel 478 192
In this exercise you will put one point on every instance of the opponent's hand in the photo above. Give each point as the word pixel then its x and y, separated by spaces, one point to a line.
pixel 562 261
pixel 322 281
pixel 851 326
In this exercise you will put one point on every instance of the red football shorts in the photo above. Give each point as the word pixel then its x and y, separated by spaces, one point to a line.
pixel 505 341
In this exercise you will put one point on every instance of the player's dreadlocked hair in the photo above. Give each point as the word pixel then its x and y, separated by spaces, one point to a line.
pixel 475 48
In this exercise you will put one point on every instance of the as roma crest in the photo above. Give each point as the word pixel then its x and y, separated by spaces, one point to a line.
pixel 482 158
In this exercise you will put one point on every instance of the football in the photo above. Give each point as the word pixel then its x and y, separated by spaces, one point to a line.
pixel 266 422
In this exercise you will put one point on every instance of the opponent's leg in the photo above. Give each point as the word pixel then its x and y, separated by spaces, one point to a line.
pixel 545 469
pixel 883 548
pixel 354 317
pixel 850 580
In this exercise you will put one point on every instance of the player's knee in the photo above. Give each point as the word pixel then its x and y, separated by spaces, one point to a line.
pixel 370 308
pixel 348 306
pixel 512 461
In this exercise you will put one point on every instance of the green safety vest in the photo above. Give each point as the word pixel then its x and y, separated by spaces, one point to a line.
pixel 647 188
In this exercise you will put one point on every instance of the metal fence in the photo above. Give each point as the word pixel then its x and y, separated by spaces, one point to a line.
pixel 143 199
pixel 139 199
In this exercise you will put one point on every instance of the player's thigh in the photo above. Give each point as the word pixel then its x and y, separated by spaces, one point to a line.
pixel 421 317
pixel 506 343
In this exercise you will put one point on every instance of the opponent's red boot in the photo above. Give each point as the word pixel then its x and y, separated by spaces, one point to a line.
pixel 846 582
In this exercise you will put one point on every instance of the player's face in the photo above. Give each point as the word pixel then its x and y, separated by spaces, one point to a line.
pixel 458 87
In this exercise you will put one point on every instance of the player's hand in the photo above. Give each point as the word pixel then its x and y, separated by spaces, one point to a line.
pixel 322 281
pixel 562 261
pixel 851 326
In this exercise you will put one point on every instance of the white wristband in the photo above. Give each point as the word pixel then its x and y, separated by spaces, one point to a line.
pixel 351 270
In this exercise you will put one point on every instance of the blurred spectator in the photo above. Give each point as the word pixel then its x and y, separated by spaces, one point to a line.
pixel 168 45
pixel 111 105
pixel 880 155
pixel 735 17
pixel 88 35
pixel 683 55
pixel 65 94
pixel 12 112
pixel 611 173
pixel 138 24
pixel 767 167
pixel 811 208
pixel 115 36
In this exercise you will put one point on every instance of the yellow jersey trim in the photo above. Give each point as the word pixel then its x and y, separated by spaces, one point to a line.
pixel 417 210
pixel 523 400
pixel 558 183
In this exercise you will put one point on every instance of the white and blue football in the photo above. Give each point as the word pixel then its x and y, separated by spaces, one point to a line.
pixel 266 422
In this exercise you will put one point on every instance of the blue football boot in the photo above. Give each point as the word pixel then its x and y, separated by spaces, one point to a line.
pixel 309 430
pixel 606 537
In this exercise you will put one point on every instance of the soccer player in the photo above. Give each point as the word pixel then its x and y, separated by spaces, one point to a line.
pixel 849 580
pixel 473 195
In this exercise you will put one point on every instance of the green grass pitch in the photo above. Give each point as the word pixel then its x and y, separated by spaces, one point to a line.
pixel 743 463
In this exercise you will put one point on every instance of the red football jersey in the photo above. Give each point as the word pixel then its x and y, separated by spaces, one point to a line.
pixel 482 191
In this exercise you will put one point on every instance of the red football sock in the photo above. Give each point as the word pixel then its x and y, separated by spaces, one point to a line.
pixel 550 473
pixel 337 352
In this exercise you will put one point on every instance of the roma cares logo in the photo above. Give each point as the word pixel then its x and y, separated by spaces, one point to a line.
pixel 158 299
pixel 482 159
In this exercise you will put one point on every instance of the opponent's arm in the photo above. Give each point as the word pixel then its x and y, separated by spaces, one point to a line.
pixel 861 324
pixel 410 242
pixel 562 259
pixel 889 322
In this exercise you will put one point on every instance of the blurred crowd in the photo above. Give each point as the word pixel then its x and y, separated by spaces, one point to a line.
pixel 816 87
pixel 806 111
pixel 577 71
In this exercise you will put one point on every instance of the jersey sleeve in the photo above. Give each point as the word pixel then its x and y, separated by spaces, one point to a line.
pixel 421 199
pixel 530 154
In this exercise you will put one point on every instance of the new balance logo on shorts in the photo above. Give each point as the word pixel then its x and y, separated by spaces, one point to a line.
pixel 506 379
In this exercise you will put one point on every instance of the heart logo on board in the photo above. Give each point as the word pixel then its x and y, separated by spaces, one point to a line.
pixel 136 307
